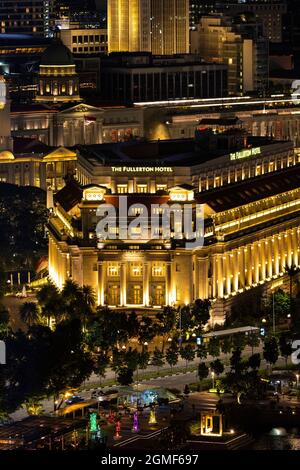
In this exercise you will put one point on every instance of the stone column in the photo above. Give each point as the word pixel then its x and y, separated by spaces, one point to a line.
pixel 101 283
pixel 146 279
pixel 168 282
pixel 123 285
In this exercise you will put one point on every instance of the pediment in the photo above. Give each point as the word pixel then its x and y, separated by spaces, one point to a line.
pixel 82 108
pixel 60 154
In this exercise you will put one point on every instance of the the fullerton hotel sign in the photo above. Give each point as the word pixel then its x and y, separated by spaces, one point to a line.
pixel 142 169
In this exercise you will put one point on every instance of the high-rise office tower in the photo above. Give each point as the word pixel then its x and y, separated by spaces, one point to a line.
pixel 157 26
pixel 26 17
pixel 170 26
pixel 128 24
pixel 240 45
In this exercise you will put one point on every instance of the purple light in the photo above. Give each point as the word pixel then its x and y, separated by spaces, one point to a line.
pixel 136 426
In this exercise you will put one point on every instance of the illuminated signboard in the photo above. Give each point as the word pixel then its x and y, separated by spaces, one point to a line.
pixel 141 169
pixel 245 154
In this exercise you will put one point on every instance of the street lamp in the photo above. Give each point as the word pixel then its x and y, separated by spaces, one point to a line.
pixel 297 377
pixel 213 378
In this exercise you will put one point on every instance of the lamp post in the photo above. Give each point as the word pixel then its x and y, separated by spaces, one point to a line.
pixel 213 379
pixel 297 378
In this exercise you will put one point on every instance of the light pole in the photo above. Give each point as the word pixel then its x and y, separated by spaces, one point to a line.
pixel 213 379
pixel 297 377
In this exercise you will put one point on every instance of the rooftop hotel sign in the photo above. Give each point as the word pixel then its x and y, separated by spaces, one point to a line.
pixel 142 169
pixel 245 154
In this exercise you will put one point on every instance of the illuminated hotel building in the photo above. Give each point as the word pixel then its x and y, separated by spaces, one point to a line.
pixel 26 16
pixel 251 231
pixel 157 26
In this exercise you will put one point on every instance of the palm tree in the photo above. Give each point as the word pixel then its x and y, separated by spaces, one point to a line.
pixel 71 293
pixel 46 293
pixel 88 304
pixel 29 313
pixel 50 301
pixel 89 296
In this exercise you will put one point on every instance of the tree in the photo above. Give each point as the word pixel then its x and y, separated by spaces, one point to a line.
pixel 186 322
pixel 118 360
pixel 285 348
pixel 132 325
pixel 69 363
pixel 131 359
pixel 253 341
pixel 143 360
pixel 4 319
pixel 214 347
pixel 254 361
pixel 281 303
pixel 146 331
pixel 291 271
pixel 157 358
pixel 101 365
pixel 172 356
pixel 29 313
pixel 201 311
pixel 89 296
pixel 236 362
pixel 88 303
pixel 188 354
pixel 50 301
pixel 226 345
pixel 125 376
pixel 202 352
pixel 239 341
pixel 217 367
pixel 203 372
pixel 271 352
pixel 166 323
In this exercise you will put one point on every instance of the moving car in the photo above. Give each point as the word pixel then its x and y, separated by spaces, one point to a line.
pixel 74 399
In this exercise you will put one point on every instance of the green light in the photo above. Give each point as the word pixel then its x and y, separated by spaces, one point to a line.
pixel 93 422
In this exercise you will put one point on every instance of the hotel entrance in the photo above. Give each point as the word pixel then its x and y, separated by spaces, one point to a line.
pixel 135 296
pixel 114 295
pixel 158 295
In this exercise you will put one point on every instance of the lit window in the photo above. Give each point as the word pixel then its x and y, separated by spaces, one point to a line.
pixel 113 270
pixel 158 270
pixel 136 269
pixel 142 188
pixel 122 188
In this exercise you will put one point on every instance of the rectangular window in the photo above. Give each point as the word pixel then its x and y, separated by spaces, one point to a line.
pixel 113 270
pixel 158 270
pixel 142 188
pixel 136 269
pixel 122 188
